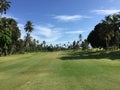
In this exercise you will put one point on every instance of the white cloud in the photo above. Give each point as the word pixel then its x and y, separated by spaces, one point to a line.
pixel 48 33
pixel 48 40
pixel 107 11
pixel 45 31
pixel 75 32
pixel 9 16
pixel 67 18
pixel 21 27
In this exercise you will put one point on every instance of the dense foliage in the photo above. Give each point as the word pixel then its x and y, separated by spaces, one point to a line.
pixel 106 33
pixel 9 34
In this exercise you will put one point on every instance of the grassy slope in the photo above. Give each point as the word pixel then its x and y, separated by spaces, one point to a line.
pixel 56 71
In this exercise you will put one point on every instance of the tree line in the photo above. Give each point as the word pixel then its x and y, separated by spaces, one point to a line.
pixel 11 43
pixel 106 34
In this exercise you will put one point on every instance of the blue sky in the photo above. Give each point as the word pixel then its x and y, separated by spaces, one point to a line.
pixel 60 21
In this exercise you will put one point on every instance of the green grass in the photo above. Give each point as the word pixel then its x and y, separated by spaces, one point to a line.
pixel 61 71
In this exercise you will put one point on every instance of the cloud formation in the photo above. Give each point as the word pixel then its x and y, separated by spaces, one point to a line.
pixel 107 11
pixel 48 33
pixel 9 16
pixel 67 18
pixel 75 32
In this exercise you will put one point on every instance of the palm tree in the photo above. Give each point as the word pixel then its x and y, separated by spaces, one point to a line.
pixel 80 37
pixel 105 32
pixel 28 41
pixel 4 5
pixel 37 41
pixel 114 22
pixel 29 27
pixel 44 43
pixel 116 25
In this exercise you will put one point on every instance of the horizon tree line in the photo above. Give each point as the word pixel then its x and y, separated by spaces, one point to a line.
pixel 106 34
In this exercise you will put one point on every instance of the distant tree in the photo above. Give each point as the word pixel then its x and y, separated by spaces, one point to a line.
pixel 85 45
pixel 44 43
pixel 75 45
pixel 37 41
pixel 28 41
pixel 20 46
pixel 50 48
pixel 64 45
pixel 28 27
pixel 80 37
pixel 34 45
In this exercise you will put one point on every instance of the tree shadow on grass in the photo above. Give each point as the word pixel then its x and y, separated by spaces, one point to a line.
pixel 112 55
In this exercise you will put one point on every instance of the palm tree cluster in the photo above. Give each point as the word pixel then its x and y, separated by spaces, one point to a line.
pixel 106 33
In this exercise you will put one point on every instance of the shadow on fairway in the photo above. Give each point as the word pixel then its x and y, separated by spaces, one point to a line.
pixel 113 55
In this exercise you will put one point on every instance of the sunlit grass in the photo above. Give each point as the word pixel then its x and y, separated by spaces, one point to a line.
pixel 67 70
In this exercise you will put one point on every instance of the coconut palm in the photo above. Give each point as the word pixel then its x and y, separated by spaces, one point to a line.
pixel 44 43
pixel 29 27
pixel 114 22
pixel 27 42
pixel 4 6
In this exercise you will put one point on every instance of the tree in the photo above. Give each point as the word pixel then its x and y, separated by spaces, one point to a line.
pixel 106 33
pixel 44 43
pixel 12 25
pixel 114 22
pixel 34 45
pixel 4 6
pixel 20 46
pixel 75 44
pixel 28 27
pixel 80 37
pixel 94 39
pixel 85 45
pixel 27 41
pixel 5 40
pixel 9 34
pixel 80 40
pixel 101 36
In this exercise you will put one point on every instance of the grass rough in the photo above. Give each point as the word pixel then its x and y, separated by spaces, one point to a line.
pixel 68 70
